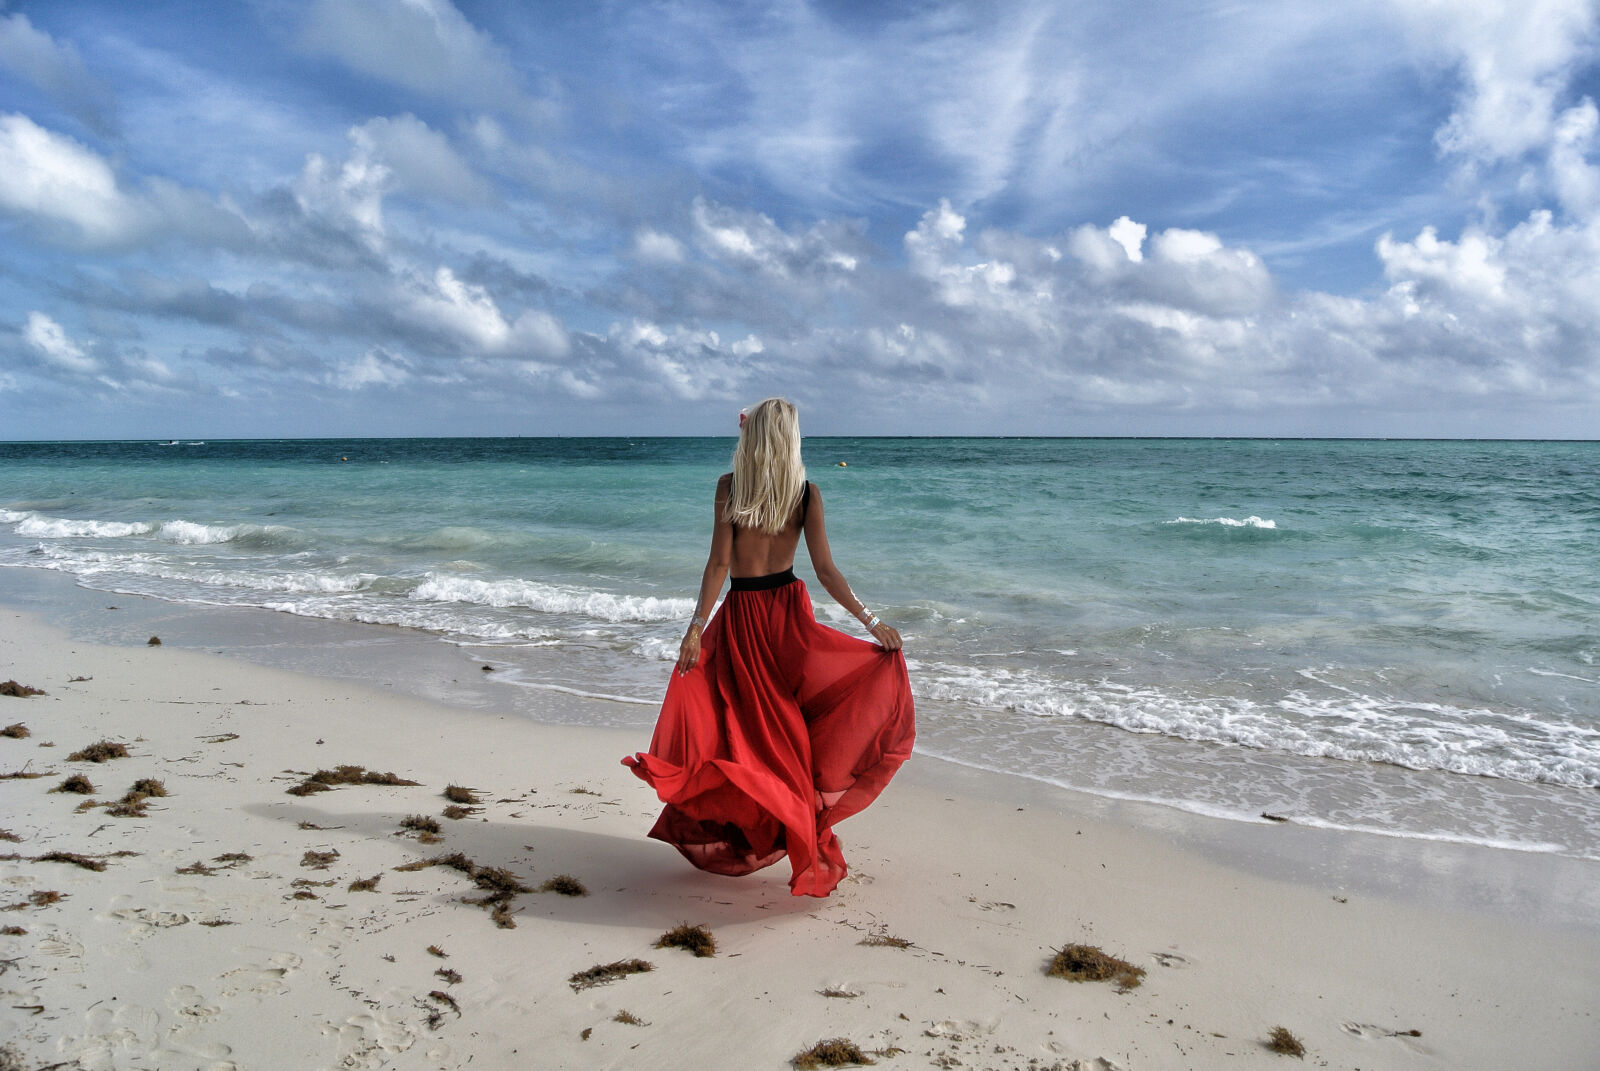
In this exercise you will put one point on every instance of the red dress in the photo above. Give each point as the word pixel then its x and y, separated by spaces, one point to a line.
pixel 784 728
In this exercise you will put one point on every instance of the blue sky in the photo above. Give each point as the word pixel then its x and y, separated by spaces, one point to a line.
pixel 353 217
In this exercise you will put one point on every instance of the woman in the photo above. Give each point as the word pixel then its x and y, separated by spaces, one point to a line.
pixel 774 727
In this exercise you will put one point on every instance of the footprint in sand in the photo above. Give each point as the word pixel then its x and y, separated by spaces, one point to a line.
pixel 262 981
pixel 190 1005
pixel 369 1040
pixel 150 919
pixel 957 1029
pixel 64 947
pixel 114 1037
pixel 1373 1031
pixel 207 1056
pixel 1171 959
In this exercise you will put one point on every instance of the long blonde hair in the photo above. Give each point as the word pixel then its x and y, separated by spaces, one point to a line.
pixel 768 476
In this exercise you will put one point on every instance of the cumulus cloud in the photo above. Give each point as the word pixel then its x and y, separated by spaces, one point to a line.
pixel 50 342
pixel 57 180
pixel 377 367
pixel 1516 60
pixel 56 68
pixel 460 313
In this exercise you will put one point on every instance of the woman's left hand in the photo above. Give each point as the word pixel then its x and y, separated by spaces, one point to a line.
pixel 689 650
pixel 887 636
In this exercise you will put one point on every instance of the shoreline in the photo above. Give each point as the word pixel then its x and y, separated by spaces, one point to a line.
pixel 1544 885
pixel 1240 927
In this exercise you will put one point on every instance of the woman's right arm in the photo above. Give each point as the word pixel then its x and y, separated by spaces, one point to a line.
pixel 829 576
pixel 710 581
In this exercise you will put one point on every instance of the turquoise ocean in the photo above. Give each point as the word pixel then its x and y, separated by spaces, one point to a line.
pixel 1394 636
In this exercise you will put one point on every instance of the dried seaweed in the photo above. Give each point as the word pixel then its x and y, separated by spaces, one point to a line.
pixel 604 973
pixel 695 939
pixel 566 885
pixel 101 751
pixel 1284 1043
pixel 1087 963
pixel 834 1052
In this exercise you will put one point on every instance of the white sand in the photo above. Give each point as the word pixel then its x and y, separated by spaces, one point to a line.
pixel 983 877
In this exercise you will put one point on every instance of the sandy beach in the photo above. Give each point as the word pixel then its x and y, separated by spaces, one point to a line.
pixel 232 924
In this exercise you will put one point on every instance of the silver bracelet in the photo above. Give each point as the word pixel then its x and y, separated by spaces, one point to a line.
pixel 873 623
pixel 699 621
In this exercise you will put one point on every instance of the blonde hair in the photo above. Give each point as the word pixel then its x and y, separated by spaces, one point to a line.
pixel 768 476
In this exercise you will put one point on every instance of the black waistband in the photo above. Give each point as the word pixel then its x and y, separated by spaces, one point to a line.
pixel 764 583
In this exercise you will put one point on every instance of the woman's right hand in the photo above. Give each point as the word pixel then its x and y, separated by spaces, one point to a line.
pixel 689 650
pixel 887 636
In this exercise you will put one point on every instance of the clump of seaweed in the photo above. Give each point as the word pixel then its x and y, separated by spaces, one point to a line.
pixel 6 834
pixel 1087 963
pixel 421 823
pixel 153 641
pixel 42 898
pixel 1284 1043
pixel 450 977
pixel 76 783
pixel 197 869
pixel 233 859
pixel 604 973
pixel 461 794
pixel 13 931
pixel 16 731
pixel 834 1052
pixel 72 858
pixel 365 884
pixel 884 940
pixel 566 885
pixel 101 751
pixel 447 1000
pixel 456 813
pixel 628 1018
pixel 23 774
pixel 19 691
pixel 132 804
pixel 435 950
pixel 695 939
pixel 499 884
pixel 319 860
pixel 836 991
pixel 323 780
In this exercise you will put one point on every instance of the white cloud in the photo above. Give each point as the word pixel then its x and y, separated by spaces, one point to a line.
pixel 424 45
pixel 56 68
pixel 49 340
pixel 1516 59
pixel 652 245
pixel 462 312
pixel 377 367
pixel 1129 235
pixel 54 178
pixel 752 239
pixel 420 159
pixel 348 195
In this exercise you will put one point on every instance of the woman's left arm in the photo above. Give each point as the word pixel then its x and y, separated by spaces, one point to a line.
pixel 829 576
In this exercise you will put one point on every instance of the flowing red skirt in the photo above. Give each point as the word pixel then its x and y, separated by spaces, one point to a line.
pixel 784 728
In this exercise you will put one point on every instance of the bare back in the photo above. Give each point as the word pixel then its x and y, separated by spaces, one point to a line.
pixel 758 553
